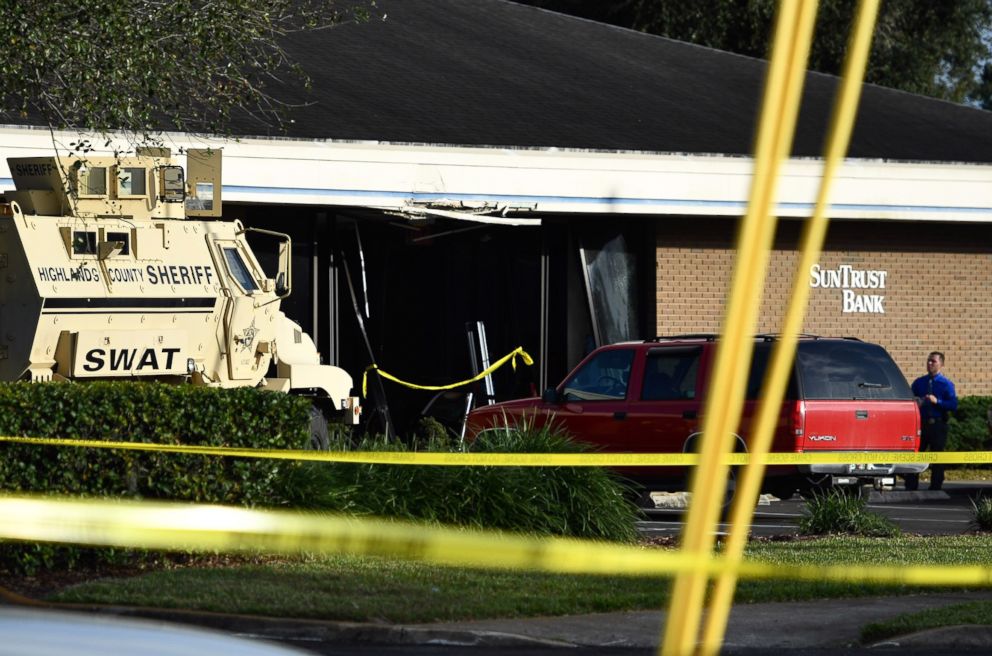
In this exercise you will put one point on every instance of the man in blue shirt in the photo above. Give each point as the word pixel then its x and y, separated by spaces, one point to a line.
pixel 937 399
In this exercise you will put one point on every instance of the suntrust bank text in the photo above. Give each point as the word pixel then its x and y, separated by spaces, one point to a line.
pixel 851 281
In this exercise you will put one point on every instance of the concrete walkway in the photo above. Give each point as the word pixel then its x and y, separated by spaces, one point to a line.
pixel 807 624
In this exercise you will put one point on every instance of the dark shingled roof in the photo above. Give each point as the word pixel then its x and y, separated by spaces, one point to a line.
pixel 491 72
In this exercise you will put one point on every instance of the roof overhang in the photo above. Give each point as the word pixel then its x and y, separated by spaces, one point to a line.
pixel 519 186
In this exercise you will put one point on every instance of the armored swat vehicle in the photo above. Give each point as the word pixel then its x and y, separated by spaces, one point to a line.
pixel 112 268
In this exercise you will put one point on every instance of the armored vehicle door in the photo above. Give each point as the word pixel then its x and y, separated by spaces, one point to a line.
pixel 242 324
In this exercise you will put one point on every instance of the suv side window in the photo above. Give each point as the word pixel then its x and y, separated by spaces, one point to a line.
pixel 849 370
pixel 670 374
pixel 603 378
pixel 759 367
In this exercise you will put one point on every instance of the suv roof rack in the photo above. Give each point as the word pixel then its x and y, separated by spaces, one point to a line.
pixel 769 337
pixel 712 337
pixel 709 337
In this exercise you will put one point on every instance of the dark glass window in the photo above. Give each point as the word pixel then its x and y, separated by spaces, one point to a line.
pixel 83 243
pixel 670 374
pixel 239 269
pixel 849 370
pixel 759 367
pixel 603 378
pixel 123 237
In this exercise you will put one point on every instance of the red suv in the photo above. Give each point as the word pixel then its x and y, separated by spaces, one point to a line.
pixel 647 397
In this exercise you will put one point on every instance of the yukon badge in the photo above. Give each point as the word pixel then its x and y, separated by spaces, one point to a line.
pixel 822 438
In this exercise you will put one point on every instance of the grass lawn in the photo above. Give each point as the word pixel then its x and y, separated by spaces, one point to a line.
pixel 374 589
pixel 976 612
pixel 962 474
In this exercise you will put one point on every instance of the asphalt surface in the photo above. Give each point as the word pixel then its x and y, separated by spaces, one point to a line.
pixel 828 626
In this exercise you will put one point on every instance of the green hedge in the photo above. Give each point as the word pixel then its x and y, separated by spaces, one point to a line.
pixel 153 413
pixel 140 412
pixel 968 428
pixel 577 501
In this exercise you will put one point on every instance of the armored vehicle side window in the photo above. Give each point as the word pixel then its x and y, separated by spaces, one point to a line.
pixel 204 197
pixel 131 182
pixel 91 181
pixel 603 378
pixel 83 243
pixel 239 269
pixel 670 374
pixel 173 184
pixel 123 237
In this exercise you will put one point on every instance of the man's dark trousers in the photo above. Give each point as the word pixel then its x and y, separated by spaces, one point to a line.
pixel 933 437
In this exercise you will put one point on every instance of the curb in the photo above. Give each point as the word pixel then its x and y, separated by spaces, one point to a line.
pixel 294 631
pixel 680 500
pixel 903 496
pixel 963 636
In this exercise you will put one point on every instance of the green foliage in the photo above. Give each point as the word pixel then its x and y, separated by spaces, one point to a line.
pixel 975 613
pixel 372 589
pixel 141 412
pixel 836 511
pixel 579 501
pixel 105 65
pixel 584 502
pixel 968 428
pixel 983 514
pixel 938 49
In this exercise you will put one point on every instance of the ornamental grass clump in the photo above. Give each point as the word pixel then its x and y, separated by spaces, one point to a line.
pixel 982 519
pixel 835 511
pixel 586 502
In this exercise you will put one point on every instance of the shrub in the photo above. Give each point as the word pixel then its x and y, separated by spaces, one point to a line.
pixel 837 511
pixel 152 413
pixel 968 428
pixel 982 519
pixel 578 501
pixel 140 412
pixel 589 502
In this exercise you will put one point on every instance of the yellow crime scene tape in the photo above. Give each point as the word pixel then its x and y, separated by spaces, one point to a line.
pixel 176 526
pixel 776 380
pixel 510 357
pixel 526 459
pixel 159 525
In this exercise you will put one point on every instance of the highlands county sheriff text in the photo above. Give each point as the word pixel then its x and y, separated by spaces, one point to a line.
pixel 175 274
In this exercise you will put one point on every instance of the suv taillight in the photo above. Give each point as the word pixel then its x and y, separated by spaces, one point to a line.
pixel 799 424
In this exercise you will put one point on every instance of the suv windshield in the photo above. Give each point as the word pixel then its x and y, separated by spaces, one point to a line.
pixel 849 370
pixel 603 378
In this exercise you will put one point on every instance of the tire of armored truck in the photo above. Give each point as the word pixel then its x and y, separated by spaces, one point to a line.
pixel 320 439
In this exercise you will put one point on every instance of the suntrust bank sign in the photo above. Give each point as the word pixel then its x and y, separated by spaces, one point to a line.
pixel 856 286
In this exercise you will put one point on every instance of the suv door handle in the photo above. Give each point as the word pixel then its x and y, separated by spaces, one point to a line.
pixel 690 414
pixel 619 415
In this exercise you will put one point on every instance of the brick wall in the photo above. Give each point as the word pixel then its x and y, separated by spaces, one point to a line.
pixel 937 294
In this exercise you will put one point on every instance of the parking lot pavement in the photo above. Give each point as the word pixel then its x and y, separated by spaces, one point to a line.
pixel 945 512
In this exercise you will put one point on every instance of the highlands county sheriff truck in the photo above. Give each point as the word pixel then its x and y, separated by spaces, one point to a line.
pixel 112 268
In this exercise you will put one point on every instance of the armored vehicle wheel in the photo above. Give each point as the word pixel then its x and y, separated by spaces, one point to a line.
pixel 319 437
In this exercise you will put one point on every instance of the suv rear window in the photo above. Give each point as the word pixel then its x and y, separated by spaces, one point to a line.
pixel 836 370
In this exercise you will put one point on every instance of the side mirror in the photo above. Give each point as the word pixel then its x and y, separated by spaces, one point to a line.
pixel 551 396
pixel 281 288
